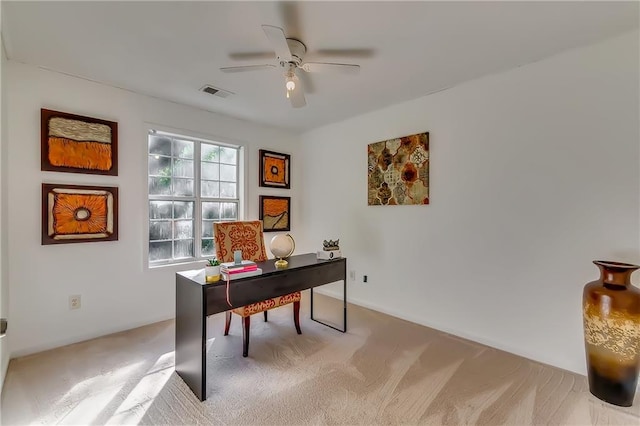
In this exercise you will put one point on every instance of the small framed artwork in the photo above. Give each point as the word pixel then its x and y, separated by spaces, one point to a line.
pixel 79 213
pixel 275 213
pixel 77 144
pixel 274 169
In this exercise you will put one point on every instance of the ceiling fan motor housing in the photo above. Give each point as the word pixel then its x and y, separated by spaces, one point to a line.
pixel 298 49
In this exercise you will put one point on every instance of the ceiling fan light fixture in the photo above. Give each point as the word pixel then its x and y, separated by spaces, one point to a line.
pixel 290 54
pixel 290 84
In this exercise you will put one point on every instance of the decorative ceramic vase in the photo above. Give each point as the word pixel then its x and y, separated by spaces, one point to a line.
pixel 212 273
pixel 611 315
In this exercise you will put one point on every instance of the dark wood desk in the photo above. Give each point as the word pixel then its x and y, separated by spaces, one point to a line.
pixel 196 299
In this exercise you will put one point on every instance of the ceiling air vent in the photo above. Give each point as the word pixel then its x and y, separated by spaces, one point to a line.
pixel 216 91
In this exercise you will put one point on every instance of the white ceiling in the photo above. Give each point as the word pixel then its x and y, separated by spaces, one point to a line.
pixel 171 49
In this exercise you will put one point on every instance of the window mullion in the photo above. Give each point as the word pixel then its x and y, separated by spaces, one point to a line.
pixel 197 214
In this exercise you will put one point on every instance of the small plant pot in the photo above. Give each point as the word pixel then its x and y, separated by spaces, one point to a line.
pixel 212 273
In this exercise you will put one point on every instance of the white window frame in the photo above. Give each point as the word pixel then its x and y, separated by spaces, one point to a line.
pixel 241 176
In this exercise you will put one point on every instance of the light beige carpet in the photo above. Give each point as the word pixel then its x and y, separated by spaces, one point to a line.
pixel 383 371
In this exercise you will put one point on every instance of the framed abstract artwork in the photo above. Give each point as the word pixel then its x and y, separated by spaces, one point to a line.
pixel 274 169
pixel 77 144
pixel 398 171
pixel 78 213
pixel 275 213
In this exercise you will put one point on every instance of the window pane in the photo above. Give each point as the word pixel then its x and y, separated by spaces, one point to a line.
pixel 227 173
pixel 182 168
pixel 229 211
pixel 160 209
pixel 159 166
pixel 182 149
pixel 183 210
pixel 160 251
pixel 211 211
pixel 159 186
pixel 228 155
pixel 210 189
pixel 159 230
pixel 172 170
pixel 183 229
pixel 160 145
pixel 207 228
pixel 210 171
pixel 208 249
pixel 227 190
pixel 183 187
pixel 209 152
pixel 182 249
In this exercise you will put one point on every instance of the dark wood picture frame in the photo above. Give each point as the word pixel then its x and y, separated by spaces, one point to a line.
pixel 275 169
pixel 275 213
pixel 85 147
pixel 82 204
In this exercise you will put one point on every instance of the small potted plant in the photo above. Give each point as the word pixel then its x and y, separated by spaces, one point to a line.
pixel 212 270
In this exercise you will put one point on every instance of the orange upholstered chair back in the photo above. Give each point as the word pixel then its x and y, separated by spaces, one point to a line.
pixel 242 235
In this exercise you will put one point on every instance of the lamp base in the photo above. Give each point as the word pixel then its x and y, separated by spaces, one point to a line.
pixel 281 263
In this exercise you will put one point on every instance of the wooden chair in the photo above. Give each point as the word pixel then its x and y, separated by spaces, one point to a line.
pixel 248 237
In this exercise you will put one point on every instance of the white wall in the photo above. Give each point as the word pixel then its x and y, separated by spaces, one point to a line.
pixel 534 173
pixel 4 265
pixel 117 291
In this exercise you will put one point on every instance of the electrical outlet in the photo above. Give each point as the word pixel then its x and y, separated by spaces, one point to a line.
pixel 352 275
pixel 75 301
pixel 364 278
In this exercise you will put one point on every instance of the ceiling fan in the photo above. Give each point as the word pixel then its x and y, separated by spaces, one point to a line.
pixel 290 53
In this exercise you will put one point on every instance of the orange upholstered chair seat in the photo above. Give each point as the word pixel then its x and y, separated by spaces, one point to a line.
pixel 265 305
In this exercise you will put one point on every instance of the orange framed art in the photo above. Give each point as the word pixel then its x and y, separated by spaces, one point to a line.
pixel 274 169
pixel 79 213
pixel 76 144
pixel 275 213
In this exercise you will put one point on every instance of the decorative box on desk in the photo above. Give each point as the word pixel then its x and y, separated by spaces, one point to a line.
pixel 329 254
pixel 330 250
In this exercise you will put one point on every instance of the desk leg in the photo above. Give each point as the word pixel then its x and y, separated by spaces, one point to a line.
pixel 191 335
pixel 344 306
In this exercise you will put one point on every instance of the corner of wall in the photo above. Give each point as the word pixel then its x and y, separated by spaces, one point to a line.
pixel 4 282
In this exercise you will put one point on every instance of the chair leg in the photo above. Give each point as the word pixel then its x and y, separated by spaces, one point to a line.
pixel 296 316
pixel 227 323
pixel 265 316
pixel 246 323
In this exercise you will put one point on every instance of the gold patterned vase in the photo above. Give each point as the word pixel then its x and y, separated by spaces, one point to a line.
pixel 611 315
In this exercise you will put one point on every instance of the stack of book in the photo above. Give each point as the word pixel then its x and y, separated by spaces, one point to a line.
pixel 233 271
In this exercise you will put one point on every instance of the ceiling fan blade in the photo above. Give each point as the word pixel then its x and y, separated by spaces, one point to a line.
pixel 278 41
pixel 330 67
pixel 307 82
pixel 290 13
pixel 296 96
pixel 251 55
pixel 346 53
pixel 247 68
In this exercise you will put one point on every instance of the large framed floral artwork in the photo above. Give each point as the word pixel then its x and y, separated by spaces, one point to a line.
pixel 398 171
pixel 274 169
pixel 79 213
pixel 77 144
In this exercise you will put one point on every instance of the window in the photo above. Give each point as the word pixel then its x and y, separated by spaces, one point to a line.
pixel 192 184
